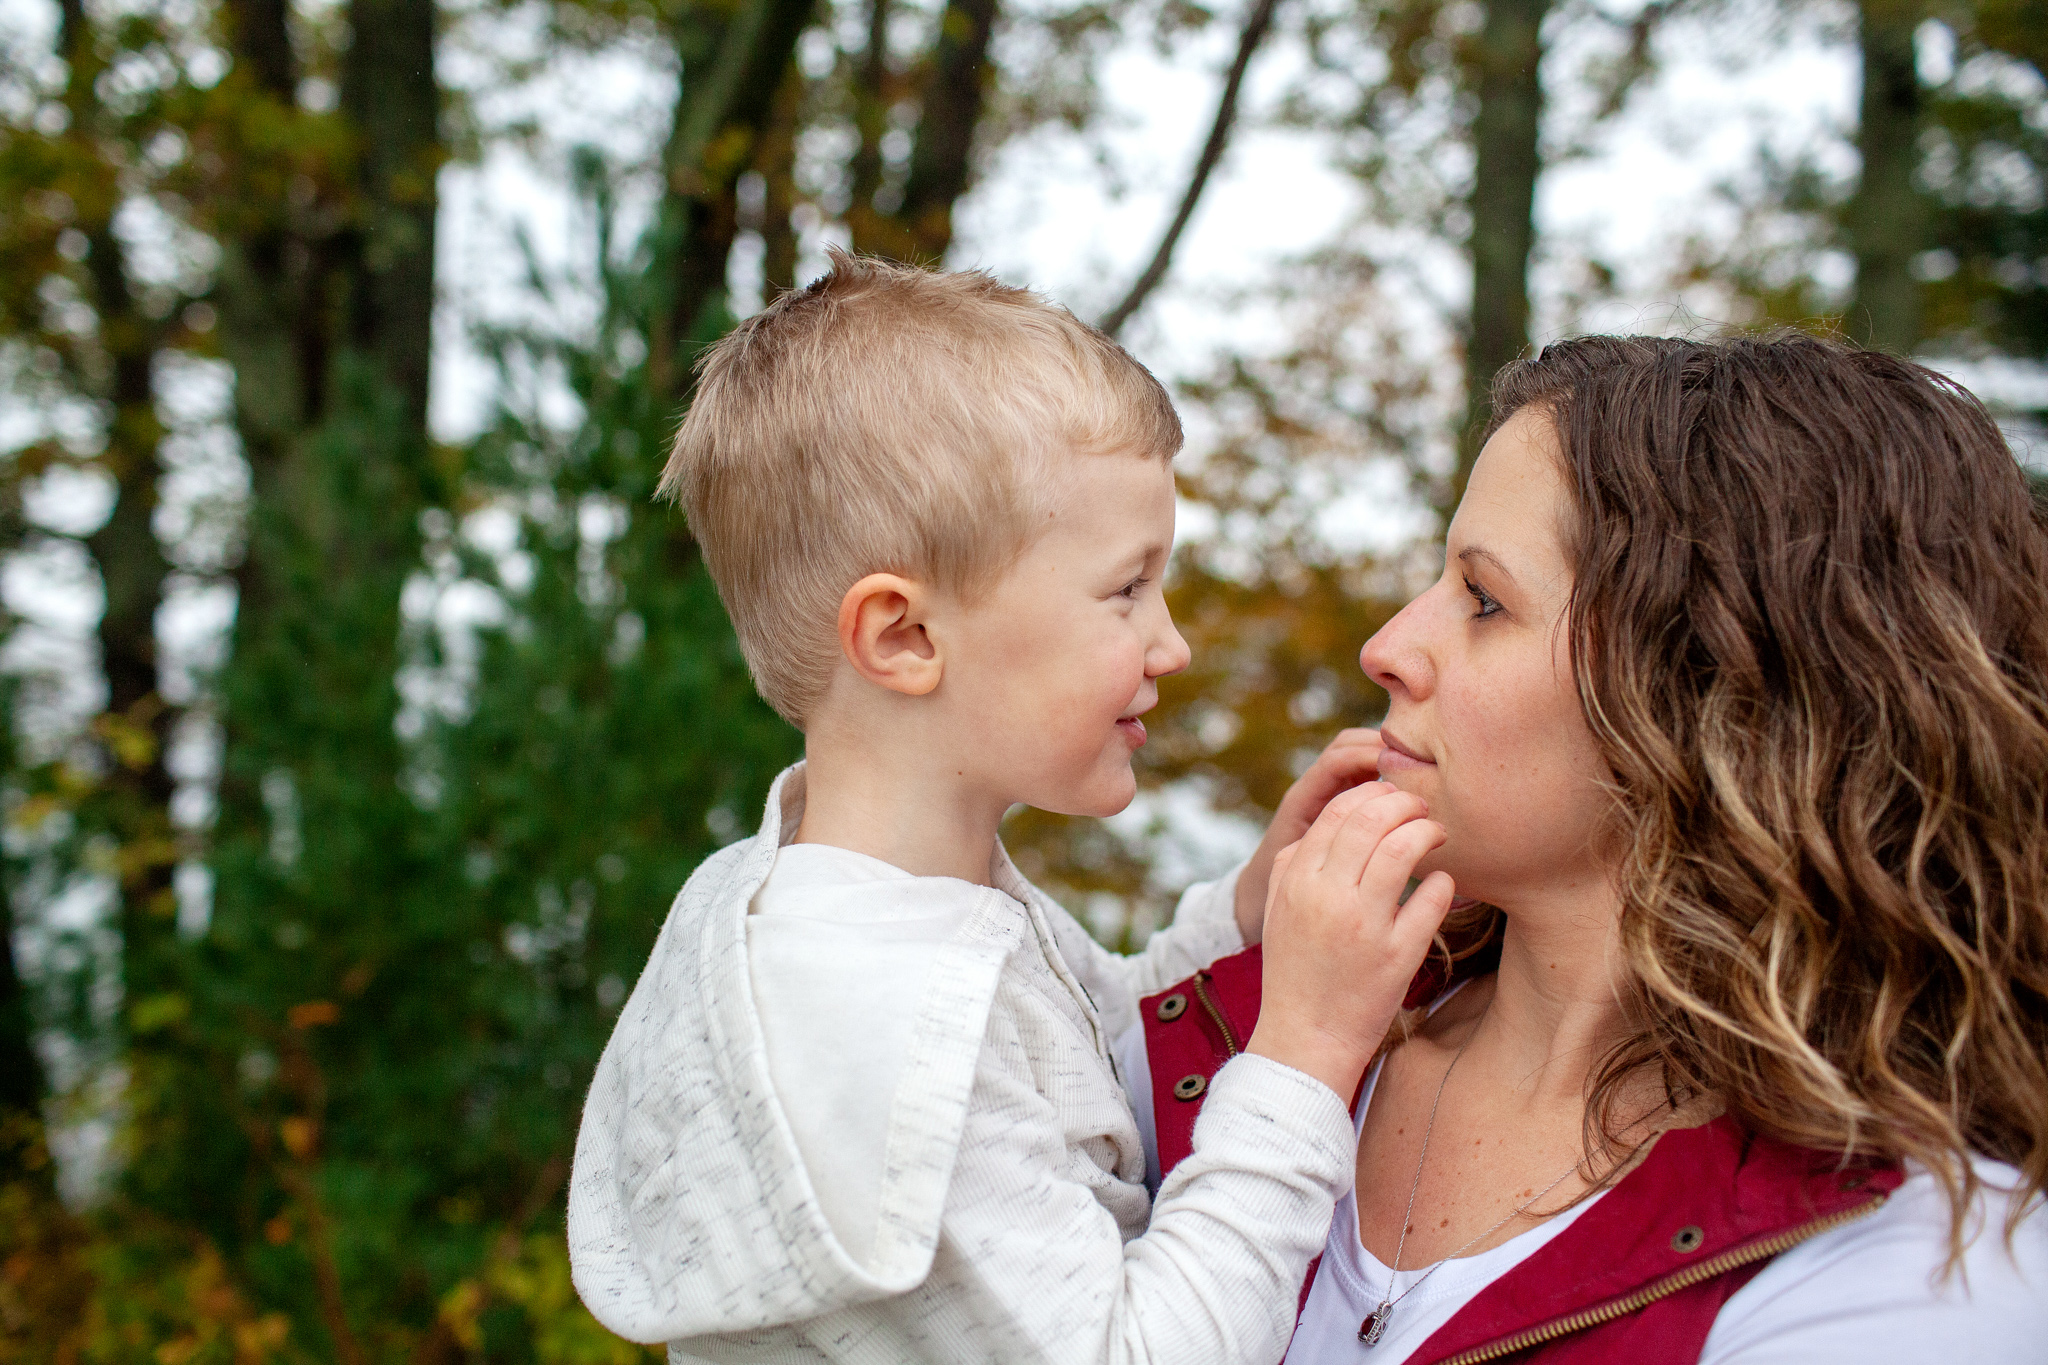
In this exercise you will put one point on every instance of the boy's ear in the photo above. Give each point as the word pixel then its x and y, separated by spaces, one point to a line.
pixel 882 634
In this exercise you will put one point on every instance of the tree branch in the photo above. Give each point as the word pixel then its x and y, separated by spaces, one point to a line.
pixel 1256 25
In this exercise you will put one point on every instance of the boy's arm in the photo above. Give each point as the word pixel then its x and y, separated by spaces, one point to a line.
pixel 1215 1277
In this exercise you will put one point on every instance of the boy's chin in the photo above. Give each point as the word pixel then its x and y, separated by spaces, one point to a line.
pixel 1101 795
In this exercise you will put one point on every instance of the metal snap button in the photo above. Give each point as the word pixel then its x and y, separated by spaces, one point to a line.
pixel 1173 1007
pixel 1687 1239
pixel 1187 1087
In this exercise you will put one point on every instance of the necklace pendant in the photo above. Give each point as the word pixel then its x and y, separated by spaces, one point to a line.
pixel 1375 1325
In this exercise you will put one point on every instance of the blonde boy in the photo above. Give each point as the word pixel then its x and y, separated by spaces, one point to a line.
pixel 861 1104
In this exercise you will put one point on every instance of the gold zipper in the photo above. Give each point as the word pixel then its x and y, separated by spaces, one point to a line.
pixel 1650 1293
pixel 1222 1024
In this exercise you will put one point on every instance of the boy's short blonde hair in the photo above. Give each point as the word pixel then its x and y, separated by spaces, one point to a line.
pixel 888 419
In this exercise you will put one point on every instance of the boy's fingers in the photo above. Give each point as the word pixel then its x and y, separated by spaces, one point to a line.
pixel 1347 765
pixel 1319 846
pixel 1351 751
pixel 1315 844
pixel 1342 765
pixel 1393 862
pixel 1422 914
pixel 1351 851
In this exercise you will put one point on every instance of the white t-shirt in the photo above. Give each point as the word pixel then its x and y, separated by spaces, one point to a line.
pixel 1867 1293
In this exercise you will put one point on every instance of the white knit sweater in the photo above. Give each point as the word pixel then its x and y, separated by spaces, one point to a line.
pixel 1012 1220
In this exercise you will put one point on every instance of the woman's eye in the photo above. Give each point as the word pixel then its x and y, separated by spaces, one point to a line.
pixel 1487 606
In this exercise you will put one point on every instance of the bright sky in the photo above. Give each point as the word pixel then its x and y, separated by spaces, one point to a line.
pixel 1077 216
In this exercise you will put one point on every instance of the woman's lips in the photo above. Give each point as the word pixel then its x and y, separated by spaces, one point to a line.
pixel 1133 728
pixel 1398 757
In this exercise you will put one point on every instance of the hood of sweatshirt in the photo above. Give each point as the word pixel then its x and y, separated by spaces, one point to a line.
pixel 690 1209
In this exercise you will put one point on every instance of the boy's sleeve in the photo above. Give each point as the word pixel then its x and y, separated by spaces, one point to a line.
pixel 1204 928
pixel 1216 1276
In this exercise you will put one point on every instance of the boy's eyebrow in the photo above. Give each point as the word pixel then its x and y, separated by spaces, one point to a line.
pixel 1489 556
pixel 1139 558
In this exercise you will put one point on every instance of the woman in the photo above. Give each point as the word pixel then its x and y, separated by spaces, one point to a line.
pixel 1733 703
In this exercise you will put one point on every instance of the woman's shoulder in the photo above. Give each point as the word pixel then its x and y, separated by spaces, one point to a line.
pixel 1881 1289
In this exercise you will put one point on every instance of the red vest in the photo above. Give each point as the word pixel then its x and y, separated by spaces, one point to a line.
pixel 1639 1276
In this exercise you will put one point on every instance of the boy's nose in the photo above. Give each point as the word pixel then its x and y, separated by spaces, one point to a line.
pixel 1170 654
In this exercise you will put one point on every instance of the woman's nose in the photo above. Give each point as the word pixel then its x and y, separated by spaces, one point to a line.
pixel 1395 656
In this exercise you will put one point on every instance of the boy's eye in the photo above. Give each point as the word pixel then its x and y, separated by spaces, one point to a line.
pixel 1487 606
pixel 1129 591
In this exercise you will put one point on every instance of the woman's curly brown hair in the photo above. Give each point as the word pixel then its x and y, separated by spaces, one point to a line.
pixel 1810 634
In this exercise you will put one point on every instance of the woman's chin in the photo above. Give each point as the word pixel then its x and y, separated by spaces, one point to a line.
pixel 1415 779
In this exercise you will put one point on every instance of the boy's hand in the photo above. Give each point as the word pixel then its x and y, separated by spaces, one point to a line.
pixel 1349 759
pixel 1341 948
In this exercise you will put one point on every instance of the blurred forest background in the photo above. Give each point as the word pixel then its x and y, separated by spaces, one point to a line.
pixel 354 750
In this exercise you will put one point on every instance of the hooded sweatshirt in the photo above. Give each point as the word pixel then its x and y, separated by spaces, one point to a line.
pixel 991 1205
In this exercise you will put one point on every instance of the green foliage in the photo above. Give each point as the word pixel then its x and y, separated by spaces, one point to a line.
pixel 1987 287
pixel 418 945
pixel 440 857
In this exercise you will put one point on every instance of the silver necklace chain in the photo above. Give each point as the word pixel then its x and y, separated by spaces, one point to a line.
pixel 1375 1325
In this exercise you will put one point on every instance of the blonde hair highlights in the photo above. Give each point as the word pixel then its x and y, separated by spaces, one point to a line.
pixel 889 419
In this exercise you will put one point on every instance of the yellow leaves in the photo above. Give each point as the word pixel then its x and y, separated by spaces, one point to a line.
pixel 138 857
pixel 564 1333
pixel 312 1014
pixel 169 1301
pixel 460 1310
pixel 36 809
pixel 727 153
pixel 259 1340
pixel 300 1136
pixel 154 1012
pixel 44 1283
pixel 129 738
pixel 533 1276
pixel 178 1351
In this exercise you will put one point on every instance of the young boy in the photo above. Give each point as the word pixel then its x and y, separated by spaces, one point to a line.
pixel 861 1104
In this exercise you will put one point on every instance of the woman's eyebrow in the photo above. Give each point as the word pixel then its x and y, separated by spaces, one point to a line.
pixel 1489 556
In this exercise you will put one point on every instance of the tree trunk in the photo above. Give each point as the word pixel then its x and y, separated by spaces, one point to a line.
pixel 776 162
pixel 135 794
pixel 872 96
pixel 22 1084
pixel 732 67
pixel 1504 73
pixel 1887 222
pixel 331 339
pixel 941 161
pixel 389 94
pixel 23 1156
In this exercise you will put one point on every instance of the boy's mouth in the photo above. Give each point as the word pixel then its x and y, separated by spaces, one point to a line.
pixel 1133 728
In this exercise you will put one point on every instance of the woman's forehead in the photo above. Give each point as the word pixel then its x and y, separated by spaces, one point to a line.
pixel 1513 502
